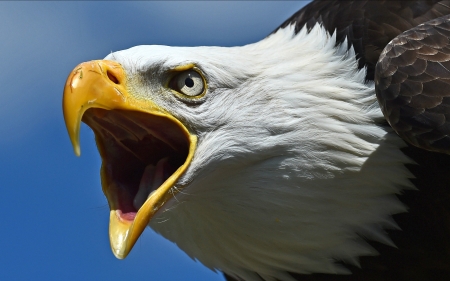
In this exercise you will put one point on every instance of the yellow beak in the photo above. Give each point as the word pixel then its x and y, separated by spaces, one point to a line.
pixel 103 84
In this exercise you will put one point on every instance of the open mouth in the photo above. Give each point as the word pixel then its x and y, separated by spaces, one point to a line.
pixel 139 152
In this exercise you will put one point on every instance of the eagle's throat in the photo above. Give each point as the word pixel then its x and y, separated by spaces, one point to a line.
pixel 139 152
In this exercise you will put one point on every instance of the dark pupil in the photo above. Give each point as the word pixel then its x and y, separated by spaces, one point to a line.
pixel 189 82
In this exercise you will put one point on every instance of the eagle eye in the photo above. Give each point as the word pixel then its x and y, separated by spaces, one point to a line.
pixel 189 83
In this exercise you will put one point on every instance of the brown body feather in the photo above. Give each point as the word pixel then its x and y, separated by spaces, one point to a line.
pixel 423 243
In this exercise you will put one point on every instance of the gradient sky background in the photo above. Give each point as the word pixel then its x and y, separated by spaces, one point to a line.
pixel 54 215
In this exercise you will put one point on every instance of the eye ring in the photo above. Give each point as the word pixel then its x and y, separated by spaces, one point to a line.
pixel 189 83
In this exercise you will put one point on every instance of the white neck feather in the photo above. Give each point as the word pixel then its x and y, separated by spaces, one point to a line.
pixel 291 172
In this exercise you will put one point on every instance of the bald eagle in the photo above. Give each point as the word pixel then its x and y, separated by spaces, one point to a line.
pixel 318 153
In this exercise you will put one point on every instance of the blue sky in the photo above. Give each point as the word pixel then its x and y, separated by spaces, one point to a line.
pixel 54 215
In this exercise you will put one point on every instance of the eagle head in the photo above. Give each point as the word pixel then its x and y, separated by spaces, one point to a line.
pixel 256 160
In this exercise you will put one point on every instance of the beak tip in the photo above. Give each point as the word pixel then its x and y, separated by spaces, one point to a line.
pixel 119 253
pixel 119 257
pixel 76 145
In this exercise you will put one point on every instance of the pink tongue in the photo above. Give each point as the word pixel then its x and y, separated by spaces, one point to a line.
pixel 152 178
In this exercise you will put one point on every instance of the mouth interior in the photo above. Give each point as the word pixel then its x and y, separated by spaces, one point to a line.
pixel 139 151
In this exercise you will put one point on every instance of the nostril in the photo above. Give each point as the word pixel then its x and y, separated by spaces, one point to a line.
pixel 112 77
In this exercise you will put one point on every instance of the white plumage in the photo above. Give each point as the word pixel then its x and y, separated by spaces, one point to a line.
pixel 291 169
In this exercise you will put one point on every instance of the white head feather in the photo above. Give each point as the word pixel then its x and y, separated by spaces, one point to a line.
pixel 291 171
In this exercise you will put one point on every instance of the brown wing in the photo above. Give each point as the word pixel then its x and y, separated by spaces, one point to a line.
pixel 412 83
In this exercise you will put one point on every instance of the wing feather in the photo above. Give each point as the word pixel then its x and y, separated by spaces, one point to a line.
pixel 412 82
